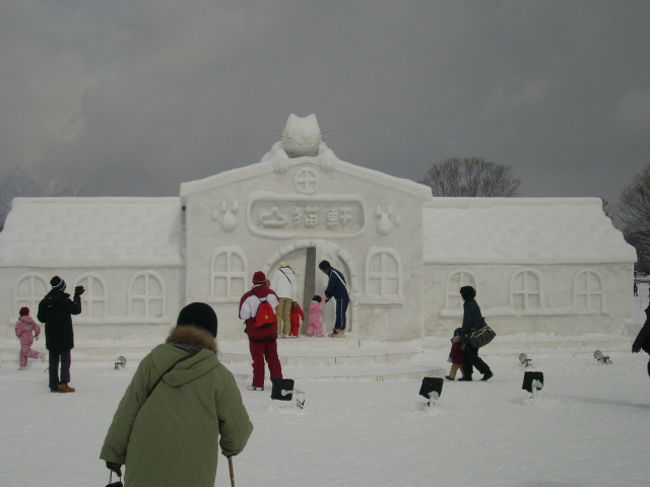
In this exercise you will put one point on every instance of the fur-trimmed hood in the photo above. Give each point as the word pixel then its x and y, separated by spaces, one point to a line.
pixel 192 335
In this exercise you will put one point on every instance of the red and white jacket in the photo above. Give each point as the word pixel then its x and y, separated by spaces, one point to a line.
pixel 248 309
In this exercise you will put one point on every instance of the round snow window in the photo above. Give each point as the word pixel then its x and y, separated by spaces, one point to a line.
pixel 306 180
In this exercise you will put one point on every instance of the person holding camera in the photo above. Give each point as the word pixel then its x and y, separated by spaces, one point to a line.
pixel 55 310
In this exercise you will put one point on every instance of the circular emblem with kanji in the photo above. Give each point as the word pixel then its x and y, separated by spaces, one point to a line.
pixel 306 180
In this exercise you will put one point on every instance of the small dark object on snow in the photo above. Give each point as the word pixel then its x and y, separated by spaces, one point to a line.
pixel 120 362
pixel 524 360
pixel 282 389
pixel 533 381
pixel 431 388
pixel 603 359
pixel 300 403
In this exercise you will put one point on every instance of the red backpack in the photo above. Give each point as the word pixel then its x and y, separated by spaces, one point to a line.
pixel 265 315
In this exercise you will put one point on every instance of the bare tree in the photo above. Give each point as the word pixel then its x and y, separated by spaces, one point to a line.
pixel 634 212
pixel 471 177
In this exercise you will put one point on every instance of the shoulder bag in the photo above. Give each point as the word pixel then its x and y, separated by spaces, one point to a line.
pixel 482 336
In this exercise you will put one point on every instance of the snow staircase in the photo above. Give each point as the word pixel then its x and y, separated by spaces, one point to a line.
pixel 346 358
pixel 350 358
pixel 315 358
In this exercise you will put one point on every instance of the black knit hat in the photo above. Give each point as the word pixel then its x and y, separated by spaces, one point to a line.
pixel 200 315
pixel 467 292
pixel 57 283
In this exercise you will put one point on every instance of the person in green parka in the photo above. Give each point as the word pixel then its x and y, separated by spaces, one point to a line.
pixel 168 433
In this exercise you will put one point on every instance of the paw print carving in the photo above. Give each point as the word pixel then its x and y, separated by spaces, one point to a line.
pixel 386 219
pixel 226 214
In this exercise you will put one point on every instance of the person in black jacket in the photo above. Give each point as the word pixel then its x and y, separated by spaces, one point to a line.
pixel 337 289
pixel 55 310
pixel 642 340
pixel 472 320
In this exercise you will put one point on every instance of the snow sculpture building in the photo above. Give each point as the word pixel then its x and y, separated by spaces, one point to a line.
pixel 551 265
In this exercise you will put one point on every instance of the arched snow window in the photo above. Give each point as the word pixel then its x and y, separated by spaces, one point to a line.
pixel 93 300
pixel 526 290
pixel 457 280
pixel 383 270
pixel 227 274
pixel 588 291
pixel 30 289
pixel 147 295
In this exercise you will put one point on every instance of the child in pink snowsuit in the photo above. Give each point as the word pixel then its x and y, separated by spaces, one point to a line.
pixel 315 327
pixel 26 330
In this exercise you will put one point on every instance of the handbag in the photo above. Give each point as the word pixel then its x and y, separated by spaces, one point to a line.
pixel 482 336
pixel 114 484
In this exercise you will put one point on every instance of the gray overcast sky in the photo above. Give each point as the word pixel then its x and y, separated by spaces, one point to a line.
pixel 136 96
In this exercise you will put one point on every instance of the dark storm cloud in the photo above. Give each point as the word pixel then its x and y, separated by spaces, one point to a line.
pixel 135 97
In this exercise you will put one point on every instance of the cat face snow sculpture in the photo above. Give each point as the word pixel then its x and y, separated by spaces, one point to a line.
pixel 301 136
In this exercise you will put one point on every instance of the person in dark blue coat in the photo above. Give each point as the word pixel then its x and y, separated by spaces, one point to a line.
pixel 337 289
pixel 472 320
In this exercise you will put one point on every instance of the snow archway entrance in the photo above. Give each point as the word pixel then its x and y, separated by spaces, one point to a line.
pixel 304 256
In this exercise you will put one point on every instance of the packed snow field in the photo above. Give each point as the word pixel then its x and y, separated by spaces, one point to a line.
pixel 588 427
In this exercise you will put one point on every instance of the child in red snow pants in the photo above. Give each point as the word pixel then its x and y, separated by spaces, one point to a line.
pixel 297 315
pixel 264 348
pixel 456 355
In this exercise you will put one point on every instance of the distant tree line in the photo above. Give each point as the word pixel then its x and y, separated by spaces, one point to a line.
pixel 634 215
pixel 476 177
pixel 471 177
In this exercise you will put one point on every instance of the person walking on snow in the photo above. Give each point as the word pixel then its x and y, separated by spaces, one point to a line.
pixel 262 340
pixel 55 310
pixel 472 320
pixel 283 283
pixel 337 289
pixel 27 330
pixel 642 340
pixel 181 405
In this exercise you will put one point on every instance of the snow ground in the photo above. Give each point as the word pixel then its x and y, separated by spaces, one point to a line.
pixel 588 427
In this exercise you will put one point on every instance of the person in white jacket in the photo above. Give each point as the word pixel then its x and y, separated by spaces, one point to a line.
pixel 283 282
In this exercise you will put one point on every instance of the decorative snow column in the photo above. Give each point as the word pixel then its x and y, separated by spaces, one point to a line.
pixel 299 205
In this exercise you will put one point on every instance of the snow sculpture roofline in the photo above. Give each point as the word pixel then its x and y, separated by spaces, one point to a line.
pixel 521 231
pixel 93 232
pixel 268 166
pixel 484 202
